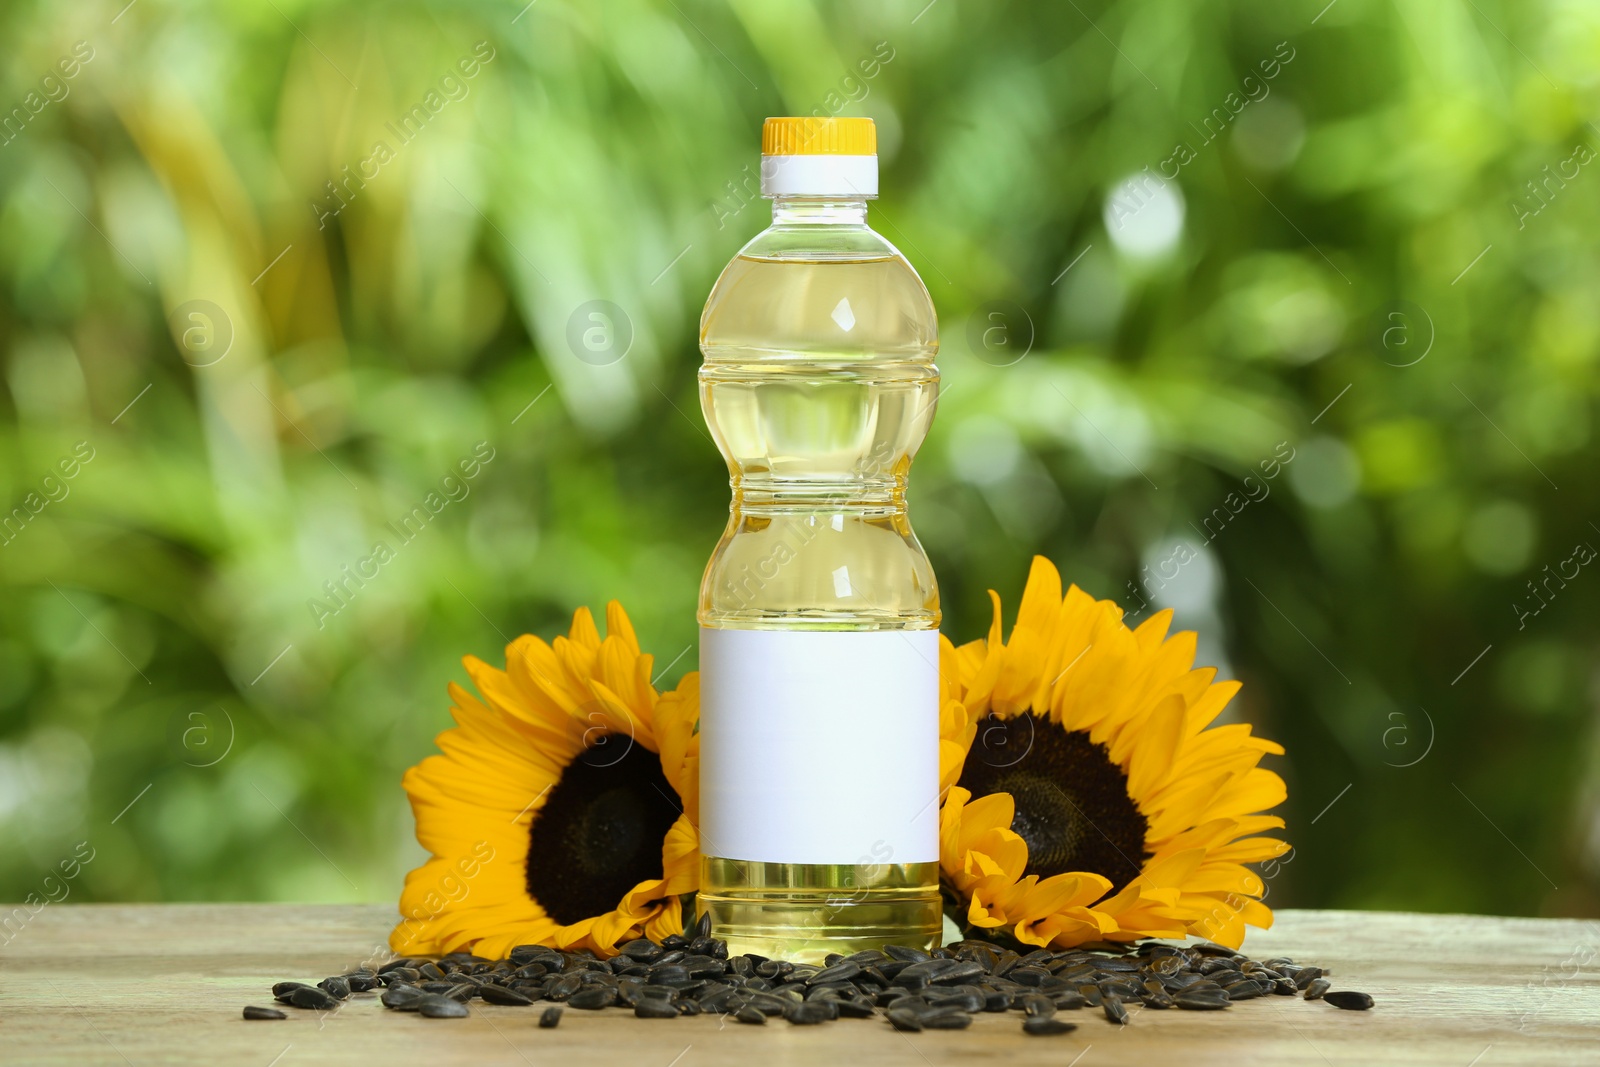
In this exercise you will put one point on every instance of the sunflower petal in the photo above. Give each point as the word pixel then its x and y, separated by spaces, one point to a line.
pixel 1041 597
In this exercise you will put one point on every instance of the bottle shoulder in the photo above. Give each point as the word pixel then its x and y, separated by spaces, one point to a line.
pixel 842 290
pixel 816 241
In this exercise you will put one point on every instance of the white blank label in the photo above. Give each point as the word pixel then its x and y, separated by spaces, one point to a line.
pixel 819 747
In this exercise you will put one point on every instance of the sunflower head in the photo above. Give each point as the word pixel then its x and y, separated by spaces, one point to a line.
pixel 1096 801
pixel 556 811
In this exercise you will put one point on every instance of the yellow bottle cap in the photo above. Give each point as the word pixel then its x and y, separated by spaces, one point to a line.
pixel 801 136
pixel 819 157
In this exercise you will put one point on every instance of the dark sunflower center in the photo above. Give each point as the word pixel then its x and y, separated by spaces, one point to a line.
pixel 1073 807
pixel 599 833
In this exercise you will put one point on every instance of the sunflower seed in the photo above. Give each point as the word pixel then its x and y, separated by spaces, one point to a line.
pixel 808 1013
pixel 968 1000
pixel 564 987
pixel 720 1002
pixel 908 955
pixel 767 1003
pixel 436 1007
pixel 984 955
pixel 670 974
pixel 309 996
pixel 751 1016
pixel 464 958
pixel 1316 989
pixel 550 1018
pixel 1306 975
pixel 1190 1000
pixel 495 994
pixel 914 1004
pixel 830 990
pixel 1036 1005
pixel 949 1019
pixel 716 948
pixel 1040 1025
pixel 252 1012
pixel 1028 975
pixel 1206 948
pixel 655 1008
pixel 839 972
pixel 996 1000
pixel 855 1009
pixel 1114 1010
pixel 1348 999
pixel 402 997
pixel 1167 965
pixel 363 982
pixel 962 971
pixel 592 999
pixel 905 1019
pixel 919 974
pixel 704 966
pixel 1116 965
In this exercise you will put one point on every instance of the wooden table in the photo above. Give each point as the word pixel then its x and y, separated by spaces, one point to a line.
pixel 144 984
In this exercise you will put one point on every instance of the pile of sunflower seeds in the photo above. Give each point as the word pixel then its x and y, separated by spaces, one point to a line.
pixel 914 990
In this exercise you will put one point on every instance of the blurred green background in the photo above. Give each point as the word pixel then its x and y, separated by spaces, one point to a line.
pixel 1169 241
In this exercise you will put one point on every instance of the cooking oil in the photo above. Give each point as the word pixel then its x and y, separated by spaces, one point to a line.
pixel 819 611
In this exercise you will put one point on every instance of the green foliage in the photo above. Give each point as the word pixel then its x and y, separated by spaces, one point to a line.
pixel 1350 268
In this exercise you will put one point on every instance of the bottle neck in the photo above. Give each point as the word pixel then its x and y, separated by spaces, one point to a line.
pixel 819 210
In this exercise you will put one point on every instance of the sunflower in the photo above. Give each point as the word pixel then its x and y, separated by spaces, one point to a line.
pixel 1095 801
pixel 556 812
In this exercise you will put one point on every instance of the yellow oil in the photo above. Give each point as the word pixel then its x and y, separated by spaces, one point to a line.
pixel 805 911
pixel 819 385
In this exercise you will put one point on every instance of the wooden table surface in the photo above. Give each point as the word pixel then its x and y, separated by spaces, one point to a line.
pixel 146 984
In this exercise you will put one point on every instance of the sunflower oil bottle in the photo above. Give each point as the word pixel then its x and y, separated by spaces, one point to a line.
pixel 819 614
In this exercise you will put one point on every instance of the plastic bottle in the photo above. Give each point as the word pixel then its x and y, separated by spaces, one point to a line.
pixel 819 613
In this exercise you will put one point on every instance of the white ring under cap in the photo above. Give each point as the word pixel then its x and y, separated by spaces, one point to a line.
pixel 819 175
